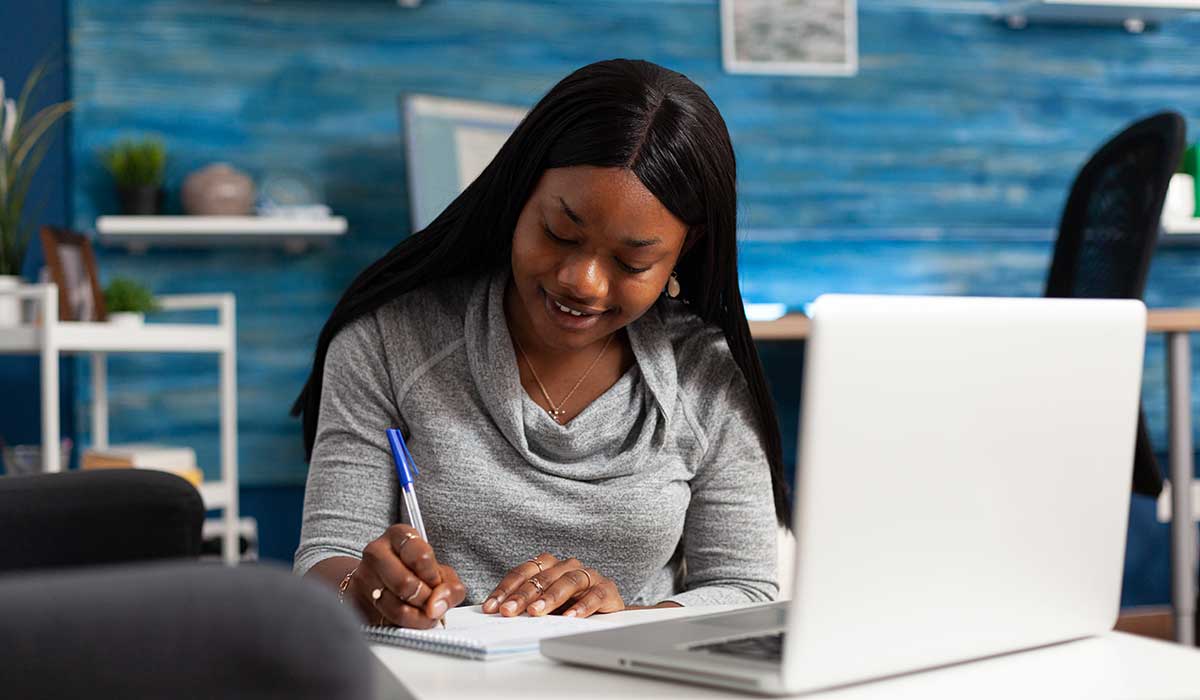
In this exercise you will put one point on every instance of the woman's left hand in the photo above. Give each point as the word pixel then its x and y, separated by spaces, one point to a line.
pixel 545 584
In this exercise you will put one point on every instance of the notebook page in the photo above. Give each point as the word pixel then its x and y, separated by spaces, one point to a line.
pixel 471 633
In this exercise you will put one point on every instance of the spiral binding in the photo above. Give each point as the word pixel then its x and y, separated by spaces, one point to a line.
pixel 421 641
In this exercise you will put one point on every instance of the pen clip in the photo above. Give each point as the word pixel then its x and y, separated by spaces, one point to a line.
pixel 406 469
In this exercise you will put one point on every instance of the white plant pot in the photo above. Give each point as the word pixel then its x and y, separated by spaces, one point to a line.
pixel 10 306
pixel 127 318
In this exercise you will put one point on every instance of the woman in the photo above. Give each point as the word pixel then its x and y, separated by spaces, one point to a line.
pixel 566 352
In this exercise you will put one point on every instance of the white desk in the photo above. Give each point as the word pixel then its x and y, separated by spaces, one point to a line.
pixel 1114 666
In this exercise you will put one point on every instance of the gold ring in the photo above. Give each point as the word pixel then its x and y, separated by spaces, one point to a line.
pixel 377 594
pixel 412 595
pixel 538 564
pixel 589 577
pixel 408 537
pixel 537 584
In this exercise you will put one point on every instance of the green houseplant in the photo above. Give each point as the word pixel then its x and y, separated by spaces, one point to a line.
pixel 137 168
pixel 128 301
pixel 23 145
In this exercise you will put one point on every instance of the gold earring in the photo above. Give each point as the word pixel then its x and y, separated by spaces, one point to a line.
pixel 673 286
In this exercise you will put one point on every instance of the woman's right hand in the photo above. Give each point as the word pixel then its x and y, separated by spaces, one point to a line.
pixel 400 582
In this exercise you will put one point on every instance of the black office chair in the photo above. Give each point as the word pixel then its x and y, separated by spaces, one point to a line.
pixel 1109 229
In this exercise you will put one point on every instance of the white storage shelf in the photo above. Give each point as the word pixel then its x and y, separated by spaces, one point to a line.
pixel 49 338
pixel 139 233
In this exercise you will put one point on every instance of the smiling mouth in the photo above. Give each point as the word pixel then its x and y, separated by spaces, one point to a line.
pixel 570 308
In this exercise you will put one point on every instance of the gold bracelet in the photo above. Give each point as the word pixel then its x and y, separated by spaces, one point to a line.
pixel 344 585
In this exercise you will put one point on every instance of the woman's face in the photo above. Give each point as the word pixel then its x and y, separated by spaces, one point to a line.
pixel 596 241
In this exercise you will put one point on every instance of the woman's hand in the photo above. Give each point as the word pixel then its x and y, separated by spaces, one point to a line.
pixel 400 582
pixel 545 584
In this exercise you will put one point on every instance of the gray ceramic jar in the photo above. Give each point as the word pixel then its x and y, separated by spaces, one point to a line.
pixel 218 190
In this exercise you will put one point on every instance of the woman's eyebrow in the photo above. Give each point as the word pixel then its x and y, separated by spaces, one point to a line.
pixel 631 242
pixel 570 212
pixel 641 242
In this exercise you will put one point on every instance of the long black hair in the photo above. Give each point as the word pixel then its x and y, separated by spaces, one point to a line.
pixel 619 113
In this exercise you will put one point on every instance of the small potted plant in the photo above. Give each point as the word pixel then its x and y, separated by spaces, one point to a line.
pixel 137 168
pixel 128 301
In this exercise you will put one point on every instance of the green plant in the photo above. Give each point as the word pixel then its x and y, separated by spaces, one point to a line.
pixel 124 294
pixel 1190 163
pixel 22 148
pixel 137 163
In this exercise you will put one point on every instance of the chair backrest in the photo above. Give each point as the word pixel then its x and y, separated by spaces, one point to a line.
pixel 101 516
pixel 1109 230
pixel 181 630
pixel 1110 223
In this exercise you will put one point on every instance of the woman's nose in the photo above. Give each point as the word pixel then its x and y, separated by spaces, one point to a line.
pixel 583 276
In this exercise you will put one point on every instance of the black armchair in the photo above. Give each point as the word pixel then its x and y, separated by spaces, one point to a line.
pixel 104 516
pixel 85 613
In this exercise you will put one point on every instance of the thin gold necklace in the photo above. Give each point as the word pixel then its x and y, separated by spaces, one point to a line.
pixel 556 412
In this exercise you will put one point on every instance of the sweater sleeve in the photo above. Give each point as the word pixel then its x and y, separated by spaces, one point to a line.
pixel 351 494
pixel 729 535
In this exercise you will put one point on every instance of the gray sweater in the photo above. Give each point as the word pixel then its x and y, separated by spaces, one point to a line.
pixel 665 467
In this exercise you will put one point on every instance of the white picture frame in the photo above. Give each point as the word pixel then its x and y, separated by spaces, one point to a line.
pixel 448 143
pixel 790 37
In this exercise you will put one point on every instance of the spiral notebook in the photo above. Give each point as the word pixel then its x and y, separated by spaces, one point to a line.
pixel 472 634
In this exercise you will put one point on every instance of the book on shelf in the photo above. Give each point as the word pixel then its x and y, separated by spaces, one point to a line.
pixel 177 460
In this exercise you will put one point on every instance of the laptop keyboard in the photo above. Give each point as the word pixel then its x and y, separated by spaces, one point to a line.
pixel 767 647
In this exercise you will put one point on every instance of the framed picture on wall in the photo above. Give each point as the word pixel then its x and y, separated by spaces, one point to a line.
pixel 448 143
pixel 71 264
pixel 790 37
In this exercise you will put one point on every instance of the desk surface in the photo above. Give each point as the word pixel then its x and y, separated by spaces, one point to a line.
pixel 1113 666
pixel 795 326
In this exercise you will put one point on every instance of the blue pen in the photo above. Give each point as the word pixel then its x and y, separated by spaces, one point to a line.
pixel 406 469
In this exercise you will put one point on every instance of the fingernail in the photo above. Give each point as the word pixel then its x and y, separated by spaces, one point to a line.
pixel 569 613
pixel 439 608
pixel 489 605
pixel 537 606
pixel 510 606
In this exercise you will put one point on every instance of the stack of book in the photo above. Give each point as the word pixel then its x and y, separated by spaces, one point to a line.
pixel 177 460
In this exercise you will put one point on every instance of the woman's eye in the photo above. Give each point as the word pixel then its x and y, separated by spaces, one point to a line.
pixel 566 241
pixel 551 236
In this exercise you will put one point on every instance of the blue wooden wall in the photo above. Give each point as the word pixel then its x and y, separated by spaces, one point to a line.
pixel 940 168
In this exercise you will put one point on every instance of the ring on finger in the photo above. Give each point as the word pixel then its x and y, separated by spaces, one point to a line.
pixel 412 595
pixel 377 594
pixel 589 577
pixel 537 584
pixel 538 564
pixel 408 537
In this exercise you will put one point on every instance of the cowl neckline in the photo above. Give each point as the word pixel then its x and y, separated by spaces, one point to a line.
pixel 611 436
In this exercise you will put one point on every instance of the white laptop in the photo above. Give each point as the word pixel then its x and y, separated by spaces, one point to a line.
pixel 962 491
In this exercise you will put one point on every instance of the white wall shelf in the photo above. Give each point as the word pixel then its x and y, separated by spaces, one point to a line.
pixel 1178 231
pixel 1134 15
pixel 138 233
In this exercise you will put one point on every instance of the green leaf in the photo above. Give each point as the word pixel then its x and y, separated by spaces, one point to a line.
pixel 29 134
